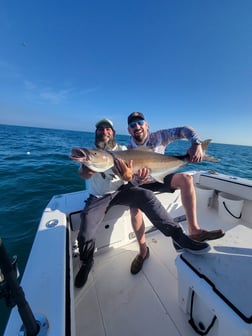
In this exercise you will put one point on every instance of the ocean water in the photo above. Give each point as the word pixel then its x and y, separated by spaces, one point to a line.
pixel 35 165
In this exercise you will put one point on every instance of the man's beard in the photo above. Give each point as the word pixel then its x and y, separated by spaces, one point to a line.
pixel 138 137
pixel 101 144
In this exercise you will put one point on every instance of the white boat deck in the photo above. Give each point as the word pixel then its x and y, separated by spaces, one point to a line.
pixel 115 302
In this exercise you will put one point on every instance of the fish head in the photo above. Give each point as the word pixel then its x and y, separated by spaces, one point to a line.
pixel 95 159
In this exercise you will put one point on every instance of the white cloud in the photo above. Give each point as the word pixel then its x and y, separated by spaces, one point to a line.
pixel 53 96
pixel 86 91
pixel 29 85
pixel 44 93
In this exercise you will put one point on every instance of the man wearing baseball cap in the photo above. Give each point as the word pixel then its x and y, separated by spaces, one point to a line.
pixel 134 116
pixel 105 121
pixel 140 133
pixel 105 135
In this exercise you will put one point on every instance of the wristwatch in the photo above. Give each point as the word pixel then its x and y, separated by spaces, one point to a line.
pixel 197 142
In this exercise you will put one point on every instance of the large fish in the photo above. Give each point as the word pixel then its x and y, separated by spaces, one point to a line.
pixel 143 157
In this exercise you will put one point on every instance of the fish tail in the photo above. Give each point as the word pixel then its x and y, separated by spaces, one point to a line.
pixel 205 144
pixel 208 158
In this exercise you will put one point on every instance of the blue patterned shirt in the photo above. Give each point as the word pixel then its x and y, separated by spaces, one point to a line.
pixel 160 139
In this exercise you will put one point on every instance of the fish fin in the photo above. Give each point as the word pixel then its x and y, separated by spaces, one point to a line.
pixel 185 158
pixel 160 178
pixel 112 175
pixel 115 171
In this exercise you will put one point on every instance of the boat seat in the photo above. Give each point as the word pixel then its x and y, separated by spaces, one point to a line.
pixel 233 185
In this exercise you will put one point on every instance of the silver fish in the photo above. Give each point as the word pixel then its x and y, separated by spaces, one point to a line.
pixel 159 165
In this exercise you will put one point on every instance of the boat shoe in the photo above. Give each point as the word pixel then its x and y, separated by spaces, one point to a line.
pixel 186 244
pixel 207 235
pixel 137 263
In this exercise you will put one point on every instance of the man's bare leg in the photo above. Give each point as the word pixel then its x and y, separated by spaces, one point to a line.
pixel 139 229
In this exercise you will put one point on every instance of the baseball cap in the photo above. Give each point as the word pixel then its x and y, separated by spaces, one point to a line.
pixel 104 121
pixel 135 115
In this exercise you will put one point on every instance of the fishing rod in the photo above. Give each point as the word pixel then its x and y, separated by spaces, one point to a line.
pixel 13 294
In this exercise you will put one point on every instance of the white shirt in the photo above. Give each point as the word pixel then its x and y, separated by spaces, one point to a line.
pixel 105 183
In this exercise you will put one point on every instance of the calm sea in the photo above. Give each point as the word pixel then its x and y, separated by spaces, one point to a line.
pixel 35 165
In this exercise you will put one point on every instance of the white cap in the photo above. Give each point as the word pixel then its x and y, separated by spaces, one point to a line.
pixel 104 121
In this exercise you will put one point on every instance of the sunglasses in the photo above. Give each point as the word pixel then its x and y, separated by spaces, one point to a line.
pixel 139 122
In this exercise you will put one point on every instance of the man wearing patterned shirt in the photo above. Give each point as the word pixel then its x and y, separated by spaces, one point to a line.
pixel 138 128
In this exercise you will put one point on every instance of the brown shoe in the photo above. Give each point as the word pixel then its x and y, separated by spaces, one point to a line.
pixel 137 263
pixel 207 235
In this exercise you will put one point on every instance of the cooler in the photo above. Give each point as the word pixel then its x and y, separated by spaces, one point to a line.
pixel 215 289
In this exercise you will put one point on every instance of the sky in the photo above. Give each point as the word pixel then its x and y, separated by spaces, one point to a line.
pixel 67 64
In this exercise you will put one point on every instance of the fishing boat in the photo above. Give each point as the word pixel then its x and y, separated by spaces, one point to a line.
pixel 175 294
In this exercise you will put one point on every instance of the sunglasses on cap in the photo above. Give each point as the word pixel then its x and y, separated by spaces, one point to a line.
pixel 139 122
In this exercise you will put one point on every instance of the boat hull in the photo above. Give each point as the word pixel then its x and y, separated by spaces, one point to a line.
pixel 113 296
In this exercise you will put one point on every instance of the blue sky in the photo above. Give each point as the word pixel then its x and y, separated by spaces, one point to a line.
pixel 66 64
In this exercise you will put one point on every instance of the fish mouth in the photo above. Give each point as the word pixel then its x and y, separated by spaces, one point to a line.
pixel 79 154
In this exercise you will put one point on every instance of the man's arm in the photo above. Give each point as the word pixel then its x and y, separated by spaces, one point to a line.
pixel 187 132
pixel 164 137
